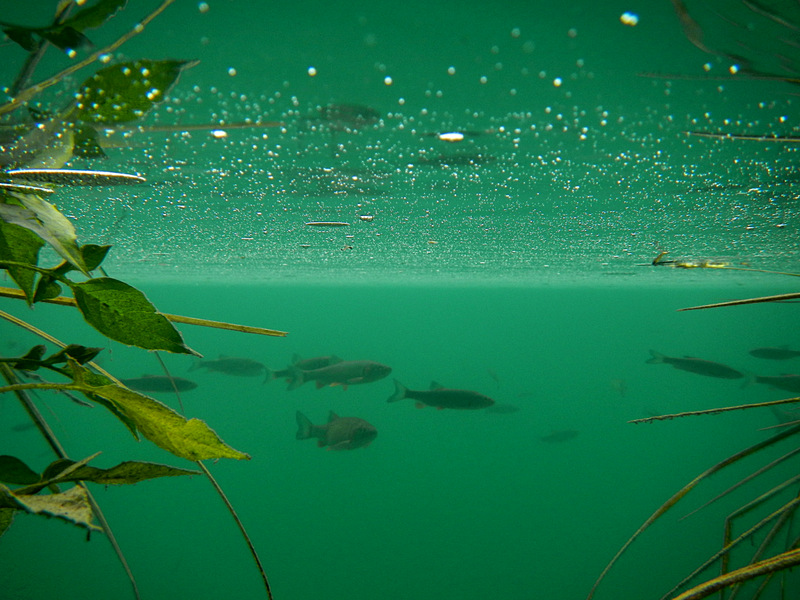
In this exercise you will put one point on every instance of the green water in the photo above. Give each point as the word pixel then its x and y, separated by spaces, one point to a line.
pixel 445 504
pixel 513 263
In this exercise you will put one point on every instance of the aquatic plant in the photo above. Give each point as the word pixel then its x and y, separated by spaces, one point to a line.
pixel 36 143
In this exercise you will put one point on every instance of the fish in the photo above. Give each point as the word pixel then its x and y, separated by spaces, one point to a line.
pixel 231 365
pixel 697 366
pixel 780 353
pixel 339 433
pixel 343 373
pixel 790 383
pixel 305 364
pixel 159 383
pixel 441 397
pixel 560 436
pixel 344 116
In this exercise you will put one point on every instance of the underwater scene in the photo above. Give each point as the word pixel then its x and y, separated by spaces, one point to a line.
pixel 386 300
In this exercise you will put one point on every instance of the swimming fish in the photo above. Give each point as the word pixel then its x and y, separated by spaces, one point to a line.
pixel 343 373
pixel 340 433
pixel 159 383
pixel 780 353
pixel 790 383
pixel 560 436
pixel 305 364
pixel 441 397
pixel 502 409
pixel 696 365
pixel 231 365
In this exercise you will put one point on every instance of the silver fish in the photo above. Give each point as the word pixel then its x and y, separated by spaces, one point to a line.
pixel 344 373
pixel 339 433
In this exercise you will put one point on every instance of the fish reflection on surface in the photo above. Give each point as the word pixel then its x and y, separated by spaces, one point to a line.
pixel 696 365
pixel 560 436
pixel 339 433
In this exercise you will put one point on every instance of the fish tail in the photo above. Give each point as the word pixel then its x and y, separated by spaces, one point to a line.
pixel 657 358
pixel 269 375
pixel 295 378
pixel 399 392
pixel 749 379
pixel 304 426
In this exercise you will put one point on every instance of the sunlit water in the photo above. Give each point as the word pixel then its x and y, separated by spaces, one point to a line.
pixel 513 263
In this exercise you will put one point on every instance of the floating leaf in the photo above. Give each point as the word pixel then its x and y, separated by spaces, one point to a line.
pixel 72 505
pixel 123 313
pixel 18 244
pixel 125 92
pixel 191 439
pixel 13 470
pixel 43 219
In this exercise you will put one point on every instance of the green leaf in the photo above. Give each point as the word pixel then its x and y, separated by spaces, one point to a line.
pixel 72 506
pixel 125 92
pixel 78 353
pixel 19 244
pixel 128 472
pixel 31 360
pixel 43 219
pixel 192 439
pixel 13 470
pixel 93 255
pixel 90 17
pixel 123 313
pixel 6 518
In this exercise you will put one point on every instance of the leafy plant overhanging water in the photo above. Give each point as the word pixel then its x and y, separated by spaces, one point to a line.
pixel 35 143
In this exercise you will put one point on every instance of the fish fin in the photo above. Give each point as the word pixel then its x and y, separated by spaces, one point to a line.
pixel 295 378
pixel 296 358
pixel 419 405
pixel 269 375
pixel 332 416
pixel 749 379
pixel 335 359
pixel 399 392
pixel 321 385
pixel 321 444
pixel 657 358
pixel 303 426
pixel 435 385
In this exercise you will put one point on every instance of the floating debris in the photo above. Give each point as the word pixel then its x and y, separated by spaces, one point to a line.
pixel 327 224
pixel 74 177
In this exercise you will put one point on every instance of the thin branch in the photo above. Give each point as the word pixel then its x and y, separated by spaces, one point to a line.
pixel 66 301
pixel 778 298
pixel 241 527
pixel 713 411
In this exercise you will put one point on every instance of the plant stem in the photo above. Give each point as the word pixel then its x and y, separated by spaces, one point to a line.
pixel 65 301
pixel 37 418
pixel 713 411
pixel 240 525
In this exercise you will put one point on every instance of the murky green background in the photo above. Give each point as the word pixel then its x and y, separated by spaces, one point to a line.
pixel 506 264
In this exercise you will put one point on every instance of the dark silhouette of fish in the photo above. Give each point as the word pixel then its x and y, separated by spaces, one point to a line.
pixel 231 365
pixel 345 117
pixel 790 383
pixel 560 436
pixel 159 383
pixel 441 397
pixel 780 353
pixel 339 433
pixel 343 373
pixel 304 364
pixel 697 366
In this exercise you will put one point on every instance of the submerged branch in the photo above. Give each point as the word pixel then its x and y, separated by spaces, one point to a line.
pixel 713 411
pixel 778 298
pixel 66 301
pixel 240 525
pixel 37 418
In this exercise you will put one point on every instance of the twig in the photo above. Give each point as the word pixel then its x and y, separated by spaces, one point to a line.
pixel 778 298
pixel 240 525
pixel 713 411
pixel 58 449
pixel 66 301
